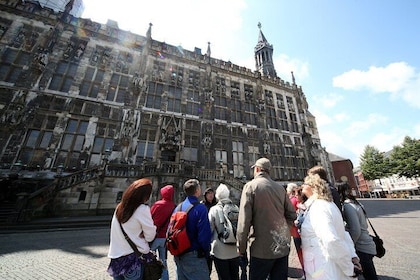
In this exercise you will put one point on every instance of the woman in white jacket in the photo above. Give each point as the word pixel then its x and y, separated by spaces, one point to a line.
pixel 328 252
pixel 133 215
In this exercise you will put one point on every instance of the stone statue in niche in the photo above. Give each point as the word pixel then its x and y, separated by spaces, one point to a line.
pixel 69 50
pixel 208 95
pixel 267 148
pixel 261 106
pixel 170 138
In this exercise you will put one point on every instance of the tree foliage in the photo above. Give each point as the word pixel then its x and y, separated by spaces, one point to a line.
pixel 405 159
pixel 373 163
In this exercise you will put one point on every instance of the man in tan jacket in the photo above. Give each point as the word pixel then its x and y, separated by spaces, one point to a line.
pixel 265 217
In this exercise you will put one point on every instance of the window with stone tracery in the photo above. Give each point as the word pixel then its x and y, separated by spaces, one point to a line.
pixel 12 64
pixel 63 76
pixel 118 89
pixel 91 83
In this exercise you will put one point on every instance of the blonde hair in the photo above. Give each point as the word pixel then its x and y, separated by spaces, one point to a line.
pixel 319 187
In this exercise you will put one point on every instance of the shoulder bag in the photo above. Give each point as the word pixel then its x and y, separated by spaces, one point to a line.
pixel 380 249
pixel 153 267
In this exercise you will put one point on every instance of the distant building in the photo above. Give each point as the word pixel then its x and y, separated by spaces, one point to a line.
pixel 343 171
pixel 60 5
pixel 100 107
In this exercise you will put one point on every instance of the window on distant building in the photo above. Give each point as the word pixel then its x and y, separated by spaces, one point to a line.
pixel 238 159
pixel 154 96
pixel 72 143
pixel 236 111
pixel 12 63
pixel 250 114
pixel 91 83
pixel 174 99
pixel 193 102
pixel 146 145
pixel 118 89
pixel 63 76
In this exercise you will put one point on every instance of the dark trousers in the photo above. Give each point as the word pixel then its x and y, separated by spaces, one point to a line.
pixel 227 269
pixel 366 261
pixel 277 269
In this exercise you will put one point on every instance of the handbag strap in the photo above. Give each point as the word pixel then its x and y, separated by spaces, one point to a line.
pixel 364 211
pixel 132 245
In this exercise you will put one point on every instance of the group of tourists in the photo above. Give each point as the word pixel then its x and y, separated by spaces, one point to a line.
pixel 327 225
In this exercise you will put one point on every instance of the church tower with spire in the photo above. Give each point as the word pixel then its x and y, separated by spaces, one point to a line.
pixel 264 56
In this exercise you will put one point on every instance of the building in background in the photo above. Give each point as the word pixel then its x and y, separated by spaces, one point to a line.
pixel 60 5
pixel 343 171
pixel 86 108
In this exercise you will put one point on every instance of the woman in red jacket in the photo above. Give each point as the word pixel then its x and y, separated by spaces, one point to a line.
pixel 161 213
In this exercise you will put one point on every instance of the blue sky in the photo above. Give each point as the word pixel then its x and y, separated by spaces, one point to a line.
pixel 358 62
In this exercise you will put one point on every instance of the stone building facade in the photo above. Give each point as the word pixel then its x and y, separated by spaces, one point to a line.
pixel 100 107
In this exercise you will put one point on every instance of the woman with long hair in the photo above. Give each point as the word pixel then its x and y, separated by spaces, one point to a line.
pixel 133 215
pixel 328 252
pixel 357 226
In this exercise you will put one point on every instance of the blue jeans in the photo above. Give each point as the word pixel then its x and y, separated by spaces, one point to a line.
pixel 366 261
pixel 132 275
pixel 159 245
pixel 277 269
pixel 190 267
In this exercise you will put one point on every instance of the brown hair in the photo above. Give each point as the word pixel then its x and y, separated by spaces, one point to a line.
pixel 135 195
pixel 320 171
pixel 191 186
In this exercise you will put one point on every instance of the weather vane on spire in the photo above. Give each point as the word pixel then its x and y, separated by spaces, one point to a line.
pixel 259 25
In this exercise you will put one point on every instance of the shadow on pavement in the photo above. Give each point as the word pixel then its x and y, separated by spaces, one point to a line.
pixel 80 243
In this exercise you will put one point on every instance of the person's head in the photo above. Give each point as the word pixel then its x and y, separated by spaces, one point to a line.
pixel 299 195
pixel 320 171
pixel 316 187
pixel 291 188
pixel 136 194
pixel 222 192
pixel 192 187
pixel 209 195
pixel 167 192
pixel 262 165
pixel 344 190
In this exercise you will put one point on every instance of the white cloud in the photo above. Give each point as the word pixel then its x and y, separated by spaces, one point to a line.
pixel 360 127
pixel 328 100
pixel 398 79
pixel 285 65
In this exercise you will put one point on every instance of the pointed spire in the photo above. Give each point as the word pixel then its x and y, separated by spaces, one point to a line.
pixel 264 56
pixel 149 31
pixel 208 53
pixel 261 37
pixel 208 49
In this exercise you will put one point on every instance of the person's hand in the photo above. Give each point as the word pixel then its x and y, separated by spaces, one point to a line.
pixel 357 267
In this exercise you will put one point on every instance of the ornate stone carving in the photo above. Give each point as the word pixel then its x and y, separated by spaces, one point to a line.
pixel 170 138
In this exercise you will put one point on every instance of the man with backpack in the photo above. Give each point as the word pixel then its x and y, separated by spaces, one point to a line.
pixel 192 264
pixel 265 217
pixel 223 222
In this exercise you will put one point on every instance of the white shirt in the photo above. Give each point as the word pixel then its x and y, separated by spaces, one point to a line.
pixel 140 222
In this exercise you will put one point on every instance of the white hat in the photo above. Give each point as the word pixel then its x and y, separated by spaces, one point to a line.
pixel 222 192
